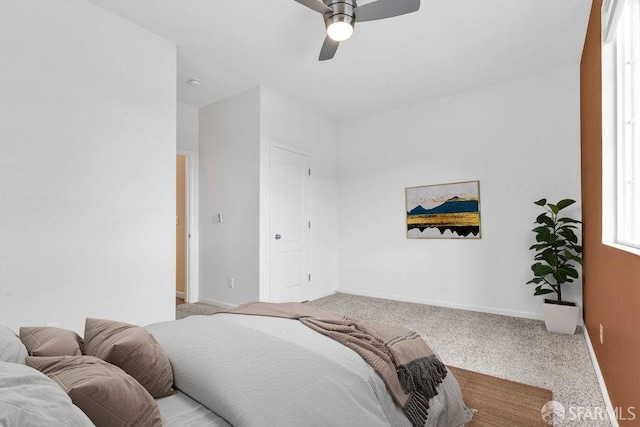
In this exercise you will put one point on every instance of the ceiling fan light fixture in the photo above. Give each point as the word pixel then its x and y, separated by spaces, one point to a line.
pixel 340 17
pixel 340 31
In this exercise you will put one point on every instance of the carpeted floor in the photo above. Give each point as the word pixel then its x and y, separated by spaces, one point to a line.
pixel 184 310
pixel 511 348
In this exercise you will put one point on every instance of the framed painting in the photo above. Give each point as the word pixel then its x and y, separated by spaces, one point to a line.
pixel 444 211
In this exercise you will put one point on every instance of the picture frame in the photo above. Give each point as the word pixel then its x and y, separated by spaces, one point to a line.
pixel 444 211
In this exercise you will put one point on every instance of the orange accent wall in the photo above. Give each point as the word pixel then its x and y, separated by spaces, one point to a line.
pixel 611 276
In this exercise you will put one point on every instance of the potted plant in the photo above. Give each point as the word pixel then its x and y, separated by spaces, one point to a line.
pixel 557 257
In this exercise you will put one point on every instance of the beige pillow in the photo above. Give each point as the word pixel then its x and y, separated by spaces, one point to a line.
pixel 103 391
pixel 134 350
pixel 49 341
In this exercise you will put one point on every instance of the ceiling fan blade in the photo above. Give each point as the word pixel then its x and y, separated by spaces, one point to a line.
pixel 382 9
pixel 329 48
pixel 316 5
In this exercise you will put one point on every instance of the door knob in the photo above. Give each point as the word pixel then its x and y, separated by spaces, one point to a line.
pixel 278 237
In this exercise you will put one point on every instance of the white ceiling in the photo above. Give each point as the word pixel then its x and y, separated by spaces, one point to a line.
pixel 448 46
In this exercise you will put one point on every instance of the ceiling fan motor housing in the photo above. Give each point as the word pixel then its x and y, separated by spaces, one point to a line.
pixel 342 11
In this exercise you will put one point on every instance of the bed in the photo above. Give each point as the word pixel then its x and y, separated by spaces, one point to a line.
pixel 244 370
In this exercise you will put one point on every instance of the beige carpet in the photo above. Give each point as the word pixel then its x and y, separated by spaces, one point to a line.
pixel 198 308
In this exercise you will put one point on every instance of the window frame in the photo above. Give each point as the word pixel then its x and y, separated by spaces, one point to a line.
pixel 621 95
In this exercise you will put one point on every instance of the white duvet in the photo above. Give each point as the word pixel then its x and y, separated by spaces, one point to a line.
pixel 262 371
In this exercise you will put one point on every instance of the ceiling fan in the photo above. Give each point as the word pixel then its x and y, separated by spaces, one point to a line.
pixel 340 17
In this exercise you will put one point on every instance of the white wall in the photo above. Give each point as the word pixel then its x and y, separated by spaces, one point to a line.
pixel 520 139
pixel 188 128
pixel 284 121
pixel 87 167
pixel 235 141
pixel 229 184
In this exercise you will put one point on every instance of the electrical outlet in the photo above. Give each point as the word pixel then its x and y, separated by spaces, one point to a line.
pixel 231 283
pixel 401 277
pixel 601 334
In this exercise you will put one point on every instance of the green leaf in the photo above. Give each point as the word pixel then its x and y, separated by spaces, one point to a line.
pixel 538 246
pixel 571 255
pixel 543 292
pixel 541 202
pixel 550 257
pixel 535 280
pixel 567 227
pixel 569 235
pixel 564 203
pixel 553 208
pixel 543 218
pixel 544 236
pixel 568 270
pixel 541 270
pixel 560 277
pixel 541 229
pixel 569 220
pixel 574 253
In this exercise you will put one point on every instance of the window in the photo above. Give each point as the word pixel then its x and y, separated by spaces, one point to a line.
pixel 622 34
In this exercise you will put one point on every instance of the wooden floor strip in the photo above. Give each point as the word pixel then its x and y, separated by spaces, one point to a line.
pixel 501 402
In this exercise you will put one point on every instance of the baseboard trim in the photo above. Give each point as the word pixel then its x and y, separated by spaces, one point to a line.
pixel 603 387
pixel 322 295
pixel 512 313
pixel 229 305
pixel 180 295
pixel 218 303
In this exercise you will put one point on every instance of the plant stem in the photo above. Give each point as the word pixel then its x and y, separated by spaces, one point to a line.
pixel 558 286
pixel 559 291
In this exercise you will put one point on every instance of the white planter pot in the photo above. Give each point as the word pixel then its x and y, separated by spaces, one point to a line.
pixel 561 318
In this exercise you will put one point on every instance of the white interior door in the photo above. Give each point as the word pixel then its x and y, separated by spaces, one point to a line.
pixel 290 275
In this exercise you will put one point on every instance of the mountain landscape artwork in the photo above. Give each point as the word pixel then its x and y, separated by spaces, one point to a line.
pixel 444 211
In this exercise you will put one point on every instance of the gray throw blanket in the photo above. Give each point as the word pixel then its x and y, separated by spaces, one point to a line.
pixel 410 370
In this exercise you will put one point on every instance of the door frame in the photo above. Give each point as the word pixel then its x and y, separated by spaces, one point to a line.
pixel 265 218
pixel 192 229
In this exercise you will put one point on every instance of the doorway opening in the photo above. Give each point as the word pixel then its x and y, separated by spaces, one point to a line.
pixel 186 227
pixel 181 228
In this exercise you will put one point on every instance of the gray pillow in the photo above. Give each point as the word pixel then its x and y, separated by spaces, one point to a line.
pixel 11 348
pixel 30 398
